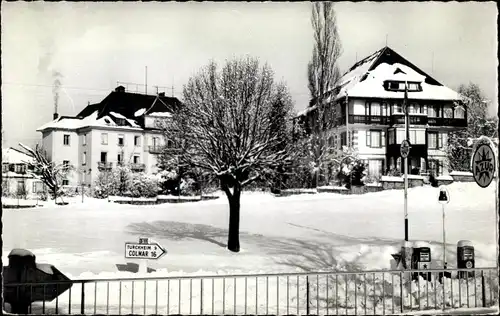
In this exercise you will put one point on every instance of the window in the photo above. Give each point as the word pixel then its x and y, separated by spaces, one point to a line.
pixel 65 164
pixel 375 167
pixel 137 140
pixel 435 167
pixel 420 137
pixel 397 108
pixel 330 141
pixel 104 156
pixel 84 158
pixel 343 139
pixel 459 112
pixel 432 111
pixel 448 112
pixel 136 158
pixel 65 182
pixel 435 140
pixel 84 139
pixel 104 138
pixel 374 139
pixel 119 158
pixel 400 136
pixel 37 186
pixel 155 142
pixel 19 168
pixel 391 137
pixel 384 109
pixel 121 140
pixel 375 109
pixel 5 167
pixel 66 139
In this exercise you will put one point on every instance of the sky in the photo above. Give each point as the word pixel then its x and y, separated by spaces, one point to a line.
pixel 94 45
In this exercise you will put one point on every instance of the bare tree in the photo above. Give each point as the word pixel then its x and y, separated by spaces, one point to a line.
pixel 323 76
pixel 227 128
pixel 50 173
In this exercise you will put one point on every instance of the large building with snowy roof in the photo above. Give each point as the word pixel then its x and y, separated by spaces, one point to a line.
pixel 369 114
pixel 121 129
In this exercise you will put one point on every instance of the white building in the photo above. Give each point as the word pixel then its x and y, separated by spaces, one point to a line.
pixel 369 116
pixel 16 178
pixel 121 129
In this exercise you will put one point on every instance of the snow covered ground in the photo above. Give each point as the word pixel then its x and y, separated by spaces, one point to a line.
pixel 287 234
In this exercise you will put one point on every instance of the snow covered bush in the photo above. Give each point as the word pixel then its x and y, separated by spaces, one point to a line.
pixel 105 185
pixel 143 185
pixel 353 173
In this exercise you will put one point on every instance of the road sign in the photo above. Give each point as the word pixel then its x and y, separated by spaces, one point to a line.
pixel 483 165
pixel 144 249
pixel 444 196
pixel 405 148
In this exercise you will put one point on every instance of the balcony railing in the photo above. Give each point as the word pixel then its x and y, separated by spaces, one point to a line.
pixel 138 166
pixel 414 119
pixel 104 165
pixel 400 119
pixel 441 121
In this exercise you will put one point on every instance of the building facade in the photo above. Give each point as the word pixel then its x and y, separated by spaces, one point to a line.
pixel 368 114
pixel 120 130
pixel 17 181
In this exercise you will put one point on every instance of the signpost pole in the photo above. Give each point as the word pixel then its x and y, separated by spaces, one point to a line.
pixel 407 132
pixel 444 239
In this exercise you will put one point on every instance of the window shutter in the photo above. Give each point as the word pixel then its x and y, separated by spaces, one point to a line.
pixel 439 140
pixel 382 139
pixel 368 139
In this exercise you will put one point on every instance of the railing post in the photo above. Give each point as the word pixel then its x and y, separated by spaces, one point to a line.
pixel 483 289
pixel 82 301
pixel 401 289
pixel 307 294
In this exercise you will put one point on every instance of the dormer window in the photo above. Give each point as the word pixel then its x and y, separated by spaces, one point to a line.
pixel 400 86
pixel 413 86
pixel 393 85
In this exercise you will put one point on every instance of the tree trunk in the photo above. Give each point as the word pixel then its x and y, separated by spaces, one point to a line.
pixel 233 238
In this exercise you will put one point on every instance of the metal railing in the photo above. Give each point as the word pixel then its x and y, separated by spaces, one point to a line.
pixel 363 292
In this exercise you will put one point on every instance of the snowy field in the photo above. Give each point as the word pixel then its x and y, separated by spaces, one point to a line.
pixel 287 234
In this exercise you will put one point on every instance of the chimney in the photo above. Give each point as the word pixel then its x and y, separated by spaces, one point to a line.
pixel 120 89
pixel 161 94
pixel 56 116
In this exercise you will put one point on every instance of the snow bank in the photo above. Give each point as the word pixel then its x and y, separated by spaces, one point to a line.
pixel 445 178
pixel 460 173
pixel 391 179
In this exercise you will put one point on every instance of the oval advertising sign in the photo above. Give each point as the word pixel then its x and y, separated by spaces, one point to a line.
pixel 483 165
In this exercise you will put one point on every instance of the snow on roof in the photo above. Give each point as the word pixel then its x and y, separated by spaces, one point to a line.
pixel 160 114
pixel 117 115
pixel 12 155
pixel 89 121
pixel 140 112
pixel 372 86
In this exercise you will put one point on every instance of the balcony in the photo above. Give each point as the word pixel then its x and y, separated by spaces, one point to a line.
pixel 441 121
pixel 364 119
pixel 413 119
pixel 137 167
pixel 101 165
pixel 155 149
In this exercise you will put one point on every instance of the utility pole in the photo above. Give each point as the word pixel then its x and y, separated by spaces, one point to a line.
pixel 146 81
